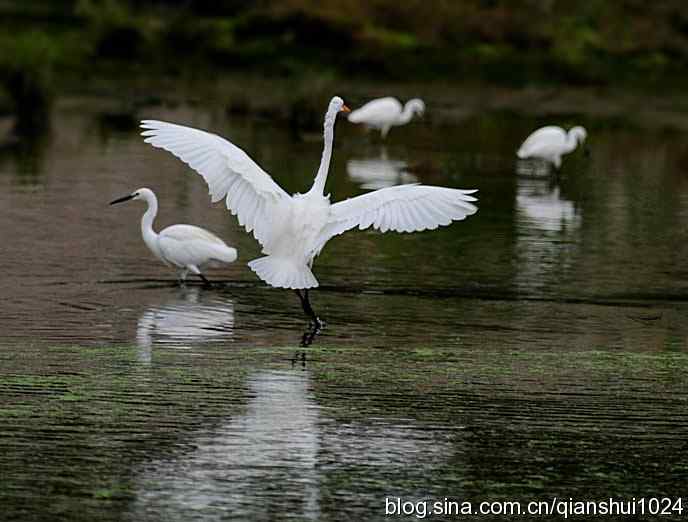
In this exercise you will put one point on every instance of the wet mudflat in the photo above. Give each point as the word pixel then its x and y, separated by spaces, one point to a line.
pixel 536 350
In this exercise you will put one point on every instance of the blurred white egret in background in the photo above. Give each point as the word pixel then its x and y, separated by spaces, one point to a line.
pixel 550 143
pixel 293 229
pixel 384 113
pixel 183 246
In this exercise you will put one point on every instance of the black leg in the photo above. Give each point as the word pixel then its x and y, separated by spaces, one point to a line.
pixel 298 293
pixel 316 324
pixel 308 309
pixel 204 279
pixel 307 306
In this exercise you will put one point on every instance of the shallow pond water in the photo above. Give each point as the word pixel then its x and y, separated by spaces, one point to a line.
pixel 537 349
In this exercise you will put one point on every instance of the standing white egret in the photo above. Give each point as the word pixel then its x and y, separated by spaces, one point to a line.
pixel 293 229
pixel 385 113
pixel 550 143
pixel 184 246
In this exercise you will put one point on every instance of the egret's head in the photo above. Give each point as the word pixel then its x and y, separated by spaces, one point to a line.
pixel 579 133
pixel 142 193
pixel 417 106
pixel 337 105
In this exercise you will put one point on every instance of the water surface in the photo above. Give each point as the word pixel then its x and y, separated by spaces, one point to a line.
pixel 537 349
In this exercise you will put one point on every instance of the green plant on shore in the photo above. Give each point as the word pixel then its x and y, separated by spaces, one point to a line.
pixel 114 30
pixel 521 42
pixel 26 74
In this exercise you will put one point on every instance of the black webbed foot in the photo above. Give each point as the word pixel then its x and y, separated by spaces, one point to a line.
pixel 309 336
pixel 317 324
pixel 299 357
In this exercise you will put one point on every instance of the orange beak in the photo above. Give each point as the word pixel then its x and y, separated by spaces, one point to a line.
pixel 344 109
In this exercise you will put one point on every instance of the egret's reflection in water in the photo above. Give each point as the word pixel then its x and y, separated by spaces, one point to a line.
pixel 379 172
pixel 279 452
pixel 540 205
pixel 534 168
pixel 548 226
pixel 194 316
pixel 252 466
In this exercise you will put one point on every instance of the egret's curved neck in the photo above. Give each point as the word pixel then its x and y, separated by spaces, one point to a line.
pixel 321 177
pixel 149 235
pixel 406 114
pixel 571 141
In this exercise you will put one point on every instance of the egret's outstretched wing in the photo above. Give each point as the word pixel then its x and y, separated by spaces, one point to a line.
pixel 404 208
pixel 230 173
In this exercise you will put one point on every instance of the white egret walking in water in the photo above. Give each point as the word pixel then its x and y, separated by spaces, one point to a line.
pixel 186 247
pixel 293 229
pixel 384 113
pixel 550 143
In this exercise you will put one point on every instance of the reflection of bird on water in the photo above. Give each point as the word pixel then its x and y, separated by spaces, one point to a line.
pixel 542 205
pixel 252 464
pixel 184 246
pixel 547 228
pixel 377 173
pixel 190 318
pixel 533 169
pixel 281 449
pixel 293 229
pixel 550 143
pixel 384 113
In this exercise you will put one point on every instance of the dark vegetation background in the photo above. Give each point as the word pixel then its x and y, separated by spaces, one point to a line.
pixel 48 47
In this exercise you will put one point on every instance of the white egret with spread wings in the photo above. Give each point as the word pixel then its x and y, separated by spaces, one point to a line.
pixel 293 229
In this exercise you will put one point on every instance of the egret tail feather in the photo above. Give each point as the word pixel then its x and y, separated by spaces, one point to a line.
pixel 283 273
pixel 225 253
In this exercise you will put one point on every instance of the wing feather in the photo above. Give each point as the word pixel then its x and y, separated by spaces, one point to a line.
pixel 181 245
pixel 249 192
pixel 403 208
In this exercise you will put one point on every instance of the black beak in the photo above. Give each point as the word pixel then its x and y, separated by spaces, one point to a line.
pixel 122 200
